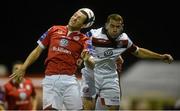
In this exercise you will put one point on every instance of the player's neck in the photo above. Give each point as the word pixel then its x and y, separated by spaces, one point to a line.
pixel 71 30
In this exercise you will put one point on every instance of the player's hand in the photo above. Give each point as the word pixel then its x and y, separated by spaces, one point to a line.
pixel 88 59
pixel 85 55
pixel 119 63
pixel 167 58
pixel 18 75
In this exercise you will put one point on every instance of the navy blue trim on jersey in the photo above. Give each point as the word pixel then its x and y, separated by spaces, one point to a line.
pixel 43 36
pixel 89 34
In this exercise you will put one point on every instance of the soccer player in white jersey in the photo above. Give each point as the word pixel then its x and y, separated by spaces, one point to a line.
pixel 108 43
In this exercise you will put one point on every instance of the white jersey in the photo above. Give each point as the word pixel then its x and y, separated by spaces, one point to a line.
pixel 104 80
pixel 105 56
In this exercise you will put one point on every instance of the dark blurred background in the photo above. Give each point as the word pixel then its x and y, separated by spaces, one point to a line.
pixel 150 24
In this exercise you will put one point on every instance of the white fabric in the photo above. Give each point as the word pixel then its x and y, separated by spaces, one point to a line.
pixel 59 90
pixel 87 83
pixel 105 73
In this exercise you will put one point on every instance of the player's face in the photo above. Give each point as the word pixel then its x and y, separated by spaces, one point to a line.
pixel 16 67
pixel 114 28
pixel 77 20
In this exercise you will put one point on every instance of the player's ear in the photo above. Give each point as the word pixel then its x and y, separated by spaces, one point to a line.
pixel 122 25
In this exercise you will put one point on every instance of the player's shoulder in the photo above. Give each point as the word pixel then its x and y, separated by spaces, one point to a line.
pixel 57 27
pixel 7 83
pixel 98 30
pixel 123 36
pixel 94 32
pixel 28 80
pixel 84 37
pixel 8 86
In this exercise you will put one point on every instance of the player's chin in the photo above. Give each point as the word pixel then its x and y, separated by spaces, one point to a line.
pixel 72 24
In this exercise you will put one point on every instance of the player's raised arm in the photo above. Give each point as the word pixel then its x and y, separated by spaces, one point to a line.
pixel 145 53
pixel 33 56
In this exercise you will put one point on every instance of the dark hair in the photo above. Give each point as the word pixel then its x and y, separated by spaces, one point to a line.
pixel 17 62
pixel 115 17
pixel 87 19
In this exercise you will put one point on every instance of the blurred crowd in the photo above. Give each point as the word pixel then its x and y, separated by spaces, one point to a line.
pixel 131 103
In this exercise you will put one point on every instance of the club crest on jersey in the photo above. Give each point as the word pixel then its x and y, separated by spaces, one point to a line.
pixel 76 38
pixel 63 42
pixel 22 95
pixel 108 53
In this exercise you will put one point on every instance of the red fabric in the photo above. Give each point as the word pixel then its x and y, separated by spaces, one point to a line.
pixel 63 50
pixel 18 96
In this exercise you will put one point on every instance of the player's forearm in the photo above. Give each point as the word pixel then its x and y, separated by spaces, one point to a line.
pixel 34 102
pixel 2 108
pixel 33 56
pixel 147 54
pixel 88 59
pixel 90 63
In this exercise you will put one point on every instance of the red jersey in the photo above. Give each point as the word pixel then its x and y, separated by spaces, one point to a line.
pixel 64 50
pixel 18 96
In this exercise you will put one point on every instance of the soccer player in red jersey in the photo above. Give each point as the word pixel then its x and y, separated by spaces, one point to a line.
pixel 66 47
pixel 20 95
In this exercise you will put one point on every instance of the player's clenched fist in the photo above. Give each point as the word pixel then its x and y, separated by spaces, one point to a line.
pixel 167 58
pixel 18 75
